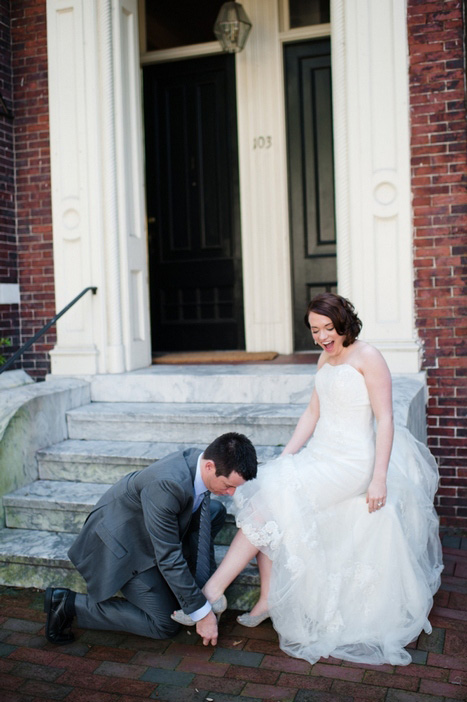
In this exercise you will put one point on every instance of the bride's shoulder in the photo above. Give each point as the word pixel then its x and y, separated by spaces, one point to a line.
pixel 368 357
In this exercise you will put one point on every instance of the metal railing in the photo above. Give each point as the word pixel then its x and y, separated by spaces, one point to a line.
pixel 42 331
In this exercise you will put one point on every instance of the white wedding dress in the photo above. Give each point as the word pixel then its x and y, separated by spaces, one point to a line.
pixel 345 582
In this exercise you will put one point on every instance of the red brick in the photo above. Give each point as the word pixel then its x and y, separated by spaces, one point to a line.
pixel 9 682
pixel 289 665
pixel 424 671
pixel 365 692
pixel 79 695
pixel 86 680
pixel 269 692
pixel 82 665
pixel 51 691
pixel 338 672
pixel 455 692
pixel 34 656
pixel 120 670
pixel 303 682
pixel 129 687
pixel 458 677
pixel 259 675
pixel 400 682
pixel 107 653
pixel 447 661
pixel 156 660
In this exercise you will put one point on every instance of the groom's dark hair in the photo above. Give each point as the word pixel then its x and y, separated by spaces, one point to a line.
pixel 233 451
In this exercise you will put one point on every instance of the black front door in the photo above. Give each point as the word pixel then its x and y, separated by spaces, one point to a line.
pixel 311 176
pixel 193 205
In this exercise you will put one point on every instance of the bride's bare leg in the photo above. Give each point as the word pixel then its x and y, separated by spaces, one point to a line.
pixel 240 552
pixel 265 567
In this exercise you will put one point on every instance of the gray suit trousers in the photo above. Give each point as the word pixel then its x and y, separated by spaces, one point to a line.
pixel 145 611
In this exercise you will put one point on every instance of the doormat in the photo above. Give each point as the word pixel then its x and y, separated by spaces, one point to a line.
pixel 216 357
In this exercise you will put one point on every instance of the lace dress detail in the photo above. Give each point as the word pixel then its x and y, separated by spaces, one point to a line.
pixel 346 583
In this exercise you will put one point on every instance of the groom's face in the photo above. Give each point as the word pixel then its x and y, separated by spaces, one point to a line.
pixel 221 484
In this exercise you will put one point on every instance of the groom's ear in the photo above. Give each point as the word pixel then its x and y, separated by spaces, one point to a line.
pixel 210 465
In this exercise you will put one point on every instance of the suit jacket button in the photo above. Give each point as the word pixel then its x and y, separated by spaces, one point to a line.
pixel 135 572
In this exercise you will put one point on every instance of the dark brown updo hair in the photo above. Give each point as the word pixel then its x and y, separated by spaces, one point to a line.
pixel 340 311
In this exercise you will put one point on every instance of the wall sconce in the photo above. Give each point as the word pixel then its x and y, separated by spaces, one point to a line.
pixel 232 27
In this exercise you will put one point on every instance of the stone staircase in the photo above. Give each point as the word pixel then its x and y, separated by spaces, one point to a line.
pixel 137 418
pixel 131 421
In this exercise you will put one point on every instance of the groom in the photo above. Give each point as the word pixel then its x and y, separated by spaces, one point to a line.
pixel 142 538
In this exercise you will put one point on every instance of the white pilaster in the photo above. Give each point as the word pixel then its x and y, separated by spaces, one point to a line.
pixel 90 99
pixel 372 158
pixel 76 349
pixel 263 184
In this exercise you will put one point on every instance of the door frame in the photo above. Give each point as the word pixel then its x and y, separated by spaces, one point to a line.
pixel 372 175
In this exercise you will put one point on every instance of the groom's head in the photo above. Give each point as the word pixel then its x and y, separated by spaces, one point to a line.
pixel 228 462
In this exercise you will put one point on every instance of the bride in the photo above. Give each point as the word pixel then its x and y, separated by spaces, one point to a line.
pixel 344 530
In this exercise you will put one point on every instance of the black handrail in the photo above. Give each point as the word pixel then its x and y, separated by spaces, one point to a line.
pixel 44 329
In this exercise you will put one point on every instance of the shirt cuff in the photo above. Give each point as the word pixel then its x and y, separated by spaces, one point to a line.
pixel 201 613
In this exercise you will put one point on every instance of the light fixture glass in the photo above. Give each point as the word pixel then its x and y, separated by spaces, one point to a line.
pixel 232 27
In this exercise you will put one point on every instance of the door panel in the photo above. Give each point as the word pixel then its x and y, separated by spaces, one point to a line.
pixel 311 176
pixel 192 192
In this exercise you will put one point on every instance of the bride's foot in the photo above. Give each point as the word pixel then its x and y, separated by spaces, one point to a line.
pixel 257 615
pixel 252 620
pixel 219 606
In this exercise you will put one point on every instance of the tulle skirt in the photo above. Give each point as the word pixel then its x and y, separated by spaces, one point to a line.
pixel 347 583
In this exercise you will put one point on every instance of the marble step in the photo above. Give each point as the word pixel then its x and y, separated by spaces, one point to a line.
pixel 39 559
pixel 240 384
pixel 62 506
pixel 97 461
pixel 51 505
pixel 192 423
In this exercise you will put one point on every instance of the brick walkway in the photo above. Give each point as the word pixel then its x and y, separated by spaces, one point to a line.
pixel 247 665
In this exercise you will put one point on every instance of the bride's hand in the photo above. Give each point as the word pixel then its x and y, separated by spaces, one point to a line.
pixel 376 495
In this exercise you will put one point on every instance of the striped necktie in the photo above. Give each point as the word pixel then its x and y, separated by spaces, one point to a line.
pixel 203 569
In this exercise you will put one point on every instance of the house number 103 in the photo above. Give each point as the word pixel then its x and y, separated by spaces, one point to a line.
pixel 262 142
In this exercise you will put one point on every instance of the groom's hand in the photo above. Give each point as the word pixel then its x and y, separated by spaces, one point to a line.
pixel 207 629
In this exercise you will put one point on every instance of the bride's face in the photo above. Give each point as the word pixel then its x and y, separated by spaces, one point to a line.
pixel 324 334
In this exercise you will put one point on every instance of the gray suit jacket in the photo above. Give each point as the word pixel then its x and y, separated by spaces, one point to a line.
pixel 138 523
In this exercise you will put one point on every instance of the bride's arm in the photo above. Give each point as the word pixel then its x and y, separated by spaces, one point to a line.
pixel 378 382
pixel 305 426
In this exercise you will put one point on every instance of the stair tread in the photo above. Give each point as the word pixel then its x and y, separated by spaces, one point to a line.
pixel 166 412
pixel 26 546
pixel 56 494
pixel 144 452
pixel 64 495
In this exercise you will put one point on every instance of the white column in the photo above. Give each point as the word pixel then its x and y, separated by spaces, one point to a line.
pixel 97 186
pixel 372 159
pixel 263 183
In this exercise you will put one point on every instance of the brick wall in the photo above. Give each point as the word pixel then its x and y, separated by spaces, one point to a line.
pixel 32 165
pixel 9 314
pixel 439 185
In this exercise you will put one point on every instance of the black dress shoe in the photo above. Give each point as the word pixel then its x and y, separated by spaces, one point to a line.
pixel 59 607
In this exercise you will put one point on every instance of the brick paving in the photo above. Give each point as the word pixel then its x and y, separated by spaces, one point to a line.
pixel 246 666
